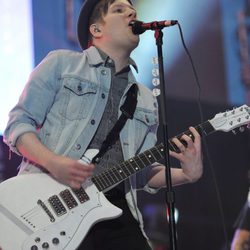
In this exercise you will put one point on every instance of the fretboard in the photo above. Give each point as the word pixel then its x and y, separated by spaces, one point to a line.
pixel 118 173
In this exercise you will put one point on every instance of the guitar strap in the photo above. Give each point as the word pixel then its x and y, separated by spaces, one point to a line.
pixel 127 109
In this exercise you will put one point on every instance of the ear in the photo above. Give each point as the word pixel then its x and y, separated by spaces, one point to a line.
pixel 95 30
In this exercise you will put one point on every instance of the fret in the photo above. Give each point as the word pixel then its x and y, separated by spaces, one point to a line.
pixel 157 153
pixel 106 176
pixel 98 182
pixel 201 128
pixel 116 174
pixel 113 171
pixel 152 156
pixel 124 168
pixel 141 158
pixel 146 155
pixel 103 180
pixel 120 172
pixel 111 176
pixel 206 128
pixel 135 165
pixel 128 166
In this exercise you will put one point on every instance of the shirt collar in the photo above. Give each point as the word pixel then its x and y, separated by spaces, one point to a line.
pixel 97 56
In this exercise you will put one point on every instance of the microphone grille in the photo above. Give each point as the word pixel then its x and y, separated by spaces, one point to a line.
pixel 137 27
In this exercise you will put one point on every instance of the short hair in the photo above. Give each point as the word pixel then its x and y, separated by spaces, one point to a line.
pixel 100 11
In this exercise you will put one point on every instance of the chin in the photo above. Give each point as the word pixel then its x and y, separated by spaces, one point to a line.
pixel 135 42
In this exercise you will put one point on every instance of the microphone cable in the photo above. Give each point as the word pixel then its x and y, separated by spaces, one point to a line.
pixel 210 164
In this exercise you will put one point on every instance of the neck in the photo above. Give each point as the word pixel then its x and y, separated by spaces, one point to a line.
pixel 120 56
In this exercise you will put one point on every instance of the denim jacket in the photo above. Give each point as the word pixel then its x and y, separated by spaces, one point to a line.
pixel 63 103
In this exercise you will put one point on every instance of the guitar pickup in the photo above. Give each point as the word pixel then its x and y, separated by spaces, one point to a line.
pixel 57 205
pixel 81 195
pixel 68 198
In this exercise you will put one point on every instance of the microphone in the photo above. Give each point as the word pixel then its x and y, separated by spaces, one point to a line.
pixel 139 27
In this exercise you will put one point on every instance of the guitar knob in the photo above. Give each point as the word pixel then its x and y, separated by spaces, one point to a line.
pixel 37 239
pixel 241 129
pixel 55 241
pixel 34 248
pixel 234 132
pixel 45 245
pixel 63 233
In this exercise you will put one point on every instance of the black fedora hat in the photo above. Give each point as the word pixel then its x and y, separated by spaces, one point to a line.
pixel 83 22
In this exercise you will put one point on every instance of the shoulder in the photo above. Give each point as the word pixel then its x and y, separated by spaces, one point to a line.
pixel 64 53
pixel 145 92
pixel 146 98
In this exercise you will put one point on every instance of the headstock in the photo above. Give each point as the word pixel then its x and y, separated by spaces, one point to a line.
pixel 232 119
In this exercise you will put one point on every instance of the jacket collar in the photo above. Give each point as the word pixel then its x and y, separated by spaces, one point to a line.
pixel 96 59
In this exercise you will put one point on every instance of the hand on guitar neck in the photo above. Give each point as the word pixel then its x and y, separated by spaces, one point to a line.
pixel 190 156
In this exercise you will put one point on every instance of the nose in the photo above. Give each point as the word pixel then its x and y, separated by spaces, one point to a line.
pixel 132 13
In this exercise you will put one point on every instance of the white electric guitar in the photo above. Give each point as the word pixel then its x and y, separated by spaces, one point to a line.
pixel 37 212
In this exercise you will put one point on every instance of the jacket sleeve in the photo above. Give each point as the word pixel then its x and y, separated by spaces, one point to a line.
pixel 35 101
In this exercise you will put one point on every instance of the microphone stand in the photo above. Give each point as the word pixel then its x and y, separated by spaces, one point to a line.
pixel 170 197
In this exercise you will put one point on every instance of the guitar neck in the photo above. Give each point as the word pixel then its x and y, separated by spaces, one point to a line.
pixel 203 129
pixel 118 173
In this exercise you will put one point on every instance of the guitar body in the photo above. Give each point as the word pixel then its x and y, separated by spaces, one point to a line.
pixel 25 223
pixel 37 212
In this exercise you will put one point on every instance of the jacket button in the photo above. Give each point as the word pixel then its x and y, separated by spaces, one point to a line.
pixel 104 72
pixel 93 122
pixel 103 96
pixel 78 146
pixel 79 88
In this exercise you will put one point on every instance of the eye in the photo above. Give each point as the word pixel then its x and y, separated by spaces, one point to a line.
pixel 118 10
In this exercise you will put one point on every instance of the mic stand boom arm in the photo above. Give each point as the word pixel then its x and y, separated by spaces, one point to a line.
pixel 170 198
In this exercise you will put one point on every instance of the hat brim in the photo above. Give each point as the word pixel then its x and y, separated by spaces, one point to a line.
pixel 83 22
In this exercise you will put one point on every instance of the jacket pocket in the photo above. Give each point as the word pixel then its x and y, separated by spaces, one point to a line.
pixel 78 98
pixel 145 116
pixel 144 120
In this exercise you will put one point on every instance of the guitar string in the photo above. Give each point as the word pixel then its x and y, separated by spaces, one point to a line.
pixel 127 164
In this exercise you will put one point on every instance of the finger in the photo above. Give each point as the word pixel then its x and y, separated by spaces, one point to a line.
pixel 178 156
pixel 82 174
pixel 178 143
pixel 75 184
pixel 188 140
pixel 194 132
